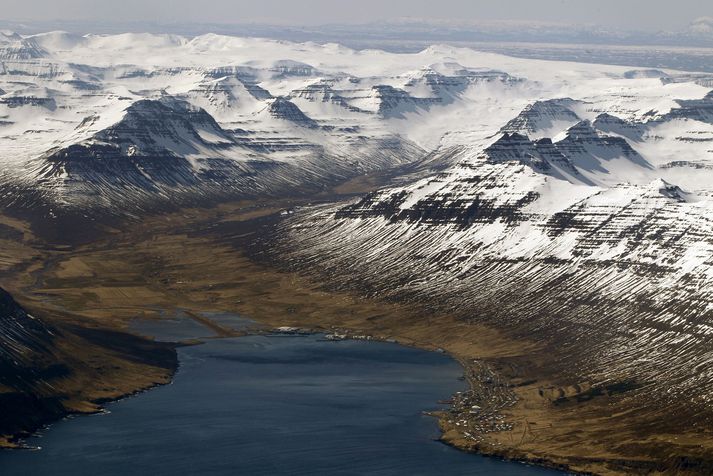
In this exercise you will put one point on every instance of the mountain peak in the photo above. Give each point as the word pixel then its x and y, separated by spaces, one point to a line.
pixel 543 118
pixel 583 130
pixel 609 123
pixel 8 35
pixel 283 108
pixel 15 47
pixel 669 190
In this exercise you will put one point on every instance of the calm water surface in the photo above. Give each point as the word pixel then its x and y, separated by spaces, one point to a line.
pixel 271 405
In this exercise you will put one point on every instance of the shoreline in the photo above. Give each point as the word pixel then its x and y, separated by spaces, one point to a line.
pixel 20 440
pixel 439 415
pixel 442 416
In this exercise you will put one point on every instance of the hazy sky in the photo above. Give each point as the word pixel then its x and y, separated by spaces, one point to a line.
pixel 634 14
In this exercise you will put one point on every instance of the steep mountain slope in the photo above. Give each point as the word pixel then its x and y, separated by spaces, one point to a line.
pixel 25 363
pixel 572 239
pixel 47 372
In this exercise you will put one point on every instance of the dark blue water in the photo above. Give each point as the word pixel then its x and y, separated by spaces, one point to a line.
pixel 271 405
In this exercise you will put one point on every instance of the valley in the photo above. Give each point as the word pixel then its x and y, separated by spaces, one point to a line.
pixel 131 274
pixel 547 224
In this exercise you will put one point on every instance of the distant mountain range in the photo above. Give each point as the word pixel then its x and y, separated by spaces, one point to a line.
pixel 699 32
pixel 128 121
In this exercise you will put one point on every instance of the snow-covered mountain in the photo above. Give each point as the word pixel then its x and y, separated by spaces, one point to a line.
pixel 128 120
pixel 583 219
pixel 539 170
